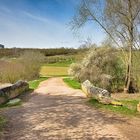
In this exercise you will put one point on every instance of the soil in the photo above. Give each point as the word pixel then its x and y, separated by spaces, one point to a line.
pixel 124 96
pixel 55 111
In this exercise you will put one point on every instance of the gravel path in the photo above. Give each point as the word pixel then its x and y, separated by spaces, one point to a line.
pixel 56 112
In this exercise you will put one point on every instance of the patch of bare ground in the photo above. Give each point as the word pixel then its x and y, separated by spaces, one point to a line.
pixel 56 112
pixel 123 96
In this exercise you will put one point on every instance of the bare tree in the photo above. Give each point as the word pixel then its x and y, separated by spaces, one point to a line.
pixel 120 19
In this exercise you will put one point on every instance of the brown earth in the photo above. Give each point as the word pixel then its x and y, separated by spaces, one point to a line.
pixel 126 96
pixel 56 112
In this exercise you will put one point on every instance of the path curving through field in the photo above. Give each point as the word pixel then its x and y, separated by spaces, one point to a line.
pixel 56 112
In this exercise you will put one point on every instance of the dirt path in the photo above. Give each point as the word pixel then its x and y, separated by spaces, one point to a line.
pixel 57 112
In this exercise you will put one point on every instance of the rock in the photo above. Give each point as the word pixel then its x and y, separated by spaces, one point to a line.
pixel 92 91
pixel 102 95
pixel 13 91
pixel 138 107
pixel 14 102
pixel 85 86
pixel 20 83
pixel 5 85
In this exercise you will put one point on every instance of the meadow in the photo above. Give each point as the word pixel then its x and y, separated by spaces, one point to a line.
pixel 53 71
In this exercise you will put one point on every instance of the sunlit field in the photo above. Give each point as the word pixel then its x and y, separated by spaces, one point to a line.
pixel 53 71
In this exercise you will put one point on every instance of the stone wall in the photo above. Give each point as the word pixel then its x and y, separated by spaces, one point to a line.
pixel 13 91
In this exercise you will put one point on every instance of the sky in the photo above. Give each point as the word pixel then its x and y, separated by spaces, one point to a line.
pixel 43 24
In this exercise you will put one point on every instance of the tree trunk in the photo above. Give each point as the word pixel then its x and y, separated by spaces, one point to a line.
pixel 129 83
pixel 129 78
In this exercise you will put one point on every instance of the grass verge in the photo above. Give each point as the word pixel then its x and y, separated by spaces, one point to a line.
pixel 35 83
pixel 129 107
pixel 5 105
pixel 72 83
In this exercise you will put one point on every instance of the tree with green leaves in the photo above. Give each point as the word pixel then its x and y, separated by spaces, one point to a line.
pixel 120 19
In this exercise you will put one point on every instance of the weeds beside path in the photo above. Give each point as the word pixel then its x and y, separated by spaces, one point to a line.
pixel 55 111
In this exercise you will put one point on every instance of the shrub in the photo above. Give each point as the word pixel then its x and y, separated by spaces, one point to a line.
pixel 75 70
pixel 32 62
pixel 26 67
pixel 102 66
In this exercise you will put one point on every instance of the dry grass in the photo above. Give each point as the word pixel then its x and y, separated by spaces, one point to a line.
pixel 123 96
pixel 53 71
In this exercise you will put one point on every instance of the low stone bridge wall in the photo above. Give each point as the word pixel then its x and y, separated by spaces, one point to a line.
pixel 13 91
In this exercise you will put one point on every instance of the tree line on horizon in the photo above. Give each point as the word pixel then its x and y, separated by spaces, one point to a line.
pixel 16 52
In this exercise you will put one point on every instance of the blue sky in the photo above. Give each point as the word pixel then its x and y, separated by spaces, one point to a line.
pixel 42 24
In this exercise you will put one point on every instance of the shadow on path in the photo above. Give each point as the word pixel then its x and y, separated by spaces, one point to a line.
pixel 59 117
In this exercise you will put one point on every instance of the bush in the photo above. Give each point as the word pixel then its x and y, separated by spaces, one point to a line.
pixel 32 62
pixel 102 66
pixel 75 70
pixel 26 67
pixel 10 71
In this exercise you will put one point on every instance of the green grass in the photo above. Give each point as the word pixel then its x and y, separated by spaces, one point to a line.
pixel 10 105
pixel 72 83
pixel 34 84
pixel 59 64
pixel 131 104
pixel 5 105
pixel 2 123
pixel 53 71
pixel 128 108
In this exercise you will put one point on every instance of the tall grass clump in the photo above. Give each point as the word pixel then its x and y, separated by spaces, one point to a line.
pixel 26 67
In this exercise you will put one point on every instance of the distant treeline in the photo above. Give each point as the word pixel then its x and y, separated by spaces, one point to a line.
pixel 15 52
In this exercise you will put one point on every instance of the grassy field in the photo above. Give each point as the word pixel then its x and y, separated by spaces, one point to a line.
pixel 60 64
pixel 53 71
pixel 128 108
pixel 72 83
pixel 34 84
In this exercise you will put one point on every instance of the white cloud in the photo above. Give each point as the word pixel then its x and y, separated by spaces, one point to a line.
pixel 18 31
pixel 5 9
pixel 42 19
